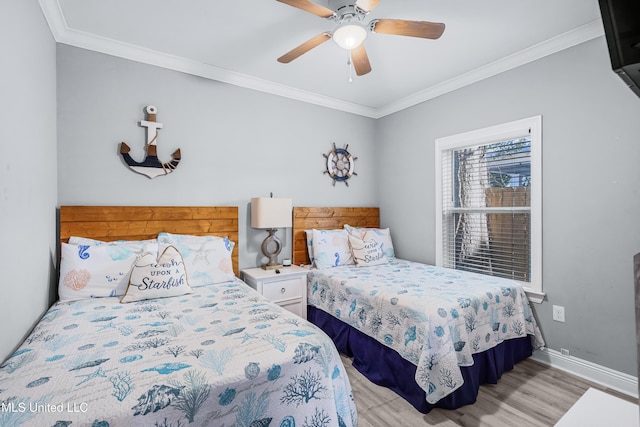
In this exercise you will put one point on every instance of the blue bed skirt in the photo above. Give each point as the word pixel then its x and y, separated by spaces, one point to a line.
pixel 384 366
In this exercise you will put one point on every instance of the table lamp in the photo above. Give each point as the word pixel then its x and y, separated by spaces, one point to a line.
pixel 270 213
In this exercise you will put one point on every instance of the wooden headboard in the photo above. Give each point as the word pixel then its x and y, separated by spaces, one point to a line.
pixel 327 219
pixel 110 223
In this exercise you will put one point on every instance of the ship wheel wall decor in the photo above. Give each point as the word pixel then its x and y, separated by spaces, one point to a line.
pixel 340 164
pixel 151 166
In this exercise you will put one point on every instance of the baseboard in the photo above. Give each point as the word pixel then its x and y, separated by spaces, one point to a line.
pixel 604 376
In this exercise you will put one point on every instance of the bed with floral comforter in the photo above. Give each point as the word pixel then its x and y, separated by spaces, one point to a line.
pixel 222 356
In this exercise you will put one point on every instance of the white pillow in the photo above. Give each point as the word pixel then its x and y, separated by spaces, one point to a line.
pixel 207 259
pixel 368 250
pixel 186 239
pixel 331 248
pixel 384 237
pixel 309 234
pixel 75 240
pixel 151 278
pixel 98 271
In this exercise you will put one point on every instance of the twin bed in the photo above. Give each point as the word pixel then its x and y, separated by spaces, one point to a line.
pixel 431 334
pixel 216 354
pixel 219 353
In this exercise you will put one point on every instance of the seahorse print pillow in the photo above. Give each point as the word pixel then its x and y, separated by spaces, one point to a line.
pixel 331 248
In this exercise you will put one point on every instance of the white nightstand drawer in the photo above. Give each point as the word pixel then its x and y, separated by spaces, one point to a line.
pixel 295 307
pixel 279 290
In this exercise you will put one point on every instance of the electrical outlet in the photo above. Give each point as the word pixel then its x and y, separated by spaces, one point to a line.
pixel 564 351
pixel 558 313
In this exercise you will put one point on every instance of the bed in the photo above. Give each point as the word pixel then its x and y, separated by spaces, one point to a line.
pixel 214 354
pixel 430 334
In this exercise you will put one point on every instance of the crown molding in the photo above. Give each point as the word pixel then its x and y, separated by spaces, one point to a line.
pixel 65 35
pixel 53 14
pixel 592 30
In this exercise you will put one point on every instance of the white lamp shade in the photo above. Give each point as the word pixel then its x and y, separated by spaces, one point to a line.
pixel 267 212
pixel 350 35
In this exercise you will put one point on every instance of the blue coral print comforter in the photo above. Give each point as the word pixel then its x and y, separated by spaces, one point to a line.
pixel 436 318
pixel 223 356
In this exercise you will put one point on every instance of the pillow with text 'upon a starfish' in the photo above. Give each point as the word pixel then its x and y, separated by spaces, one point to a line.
pixel 161 278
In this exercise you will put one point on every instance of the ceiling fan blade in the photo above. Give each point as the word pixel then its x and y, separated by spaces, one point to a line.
pixel 310 7
pixel 399 27
pixel 304 48
pixel 367 5
pixel 360 60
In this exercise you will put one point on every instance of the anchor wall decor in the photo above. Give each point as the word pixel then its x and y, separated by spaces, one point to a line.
pixel 150 166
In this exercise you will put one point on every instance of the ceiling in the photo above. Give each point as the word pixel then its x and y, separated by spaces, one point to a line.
pixel 238 42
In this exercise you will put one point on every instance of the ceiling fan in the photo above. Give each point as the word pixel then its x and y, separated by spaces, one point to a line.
pixel 350 31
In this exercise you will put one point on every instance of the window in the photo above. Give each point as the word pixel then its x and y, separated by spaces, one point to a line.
pixel 489 202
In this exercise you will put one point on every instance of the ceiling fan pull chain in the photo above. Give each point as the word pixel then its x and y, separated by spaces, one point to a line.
pixel 350 65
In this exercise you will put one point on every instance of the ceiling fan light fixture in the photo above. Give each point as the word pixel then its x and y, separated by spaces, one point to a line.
pixel 350 35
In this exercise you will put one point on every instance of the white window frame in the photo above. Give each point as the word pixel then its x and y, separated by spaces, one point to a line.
pixel 498 133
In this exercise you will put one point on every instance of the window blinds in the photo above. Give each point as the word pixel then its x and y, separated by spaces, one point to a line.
pixel 487 208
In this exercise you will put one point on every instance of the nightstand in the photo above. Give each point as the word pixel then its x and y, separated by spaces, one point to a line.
pixel 288 288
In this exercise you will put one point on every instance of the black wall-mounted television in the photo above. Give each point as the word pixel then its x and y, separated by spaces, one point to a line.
pixel 621 19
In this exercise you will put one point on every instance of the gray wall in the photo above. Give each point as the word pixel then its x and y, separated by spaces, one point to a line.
pixel 27 169
pixel 236 143
pixel 591 191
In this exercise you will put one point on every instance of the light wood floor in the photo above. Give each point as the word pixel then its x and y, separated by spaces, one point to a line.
pixel 532 394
